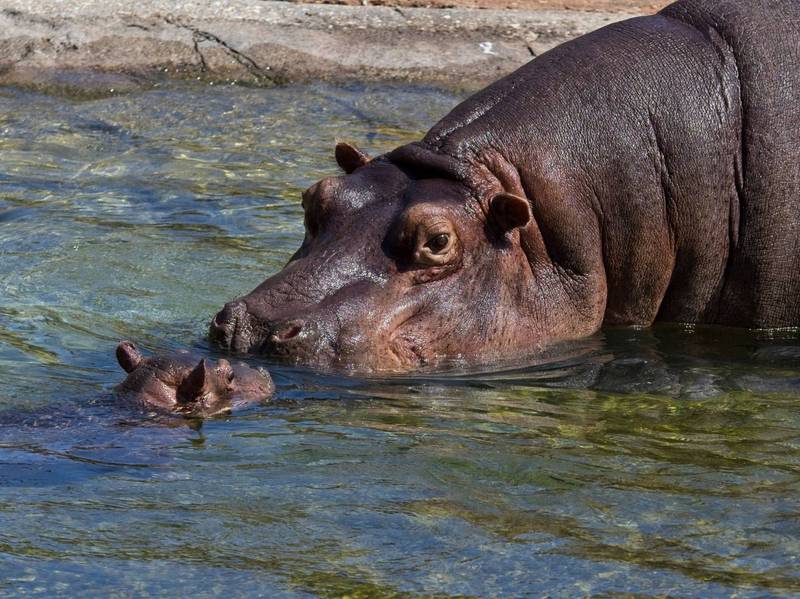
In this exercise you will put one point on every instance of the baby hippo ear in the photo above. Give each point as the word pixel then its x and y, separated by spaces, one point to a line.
pixel 192 386
pixel 128 356
pixel 349 157
pixel 508 211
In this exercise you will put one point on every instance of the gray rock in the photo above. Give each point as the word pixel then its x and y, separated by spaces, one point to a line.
pixel 97 46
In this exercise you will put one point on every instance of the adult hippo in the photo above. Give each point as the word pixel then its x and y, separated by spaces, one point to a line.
pixel 647 171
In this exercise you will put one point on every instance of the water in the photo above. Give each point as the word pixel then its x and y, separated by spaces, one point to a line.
pixel 663 461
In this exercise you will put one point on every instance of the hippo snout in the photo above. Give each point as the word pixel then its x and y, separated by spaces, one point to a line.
pixel 230 328
pixel 236 329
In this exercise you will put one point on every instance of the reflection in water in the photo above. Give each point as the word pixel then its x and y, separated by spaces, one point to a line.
pixel 663 461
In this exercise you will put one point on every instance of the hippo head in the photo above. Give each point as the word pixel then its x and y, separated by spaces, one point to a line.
pixel 405 262
pixel 180 384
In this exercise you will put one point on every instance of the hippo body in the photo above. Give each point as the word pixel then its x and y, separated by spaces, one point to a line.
pixel 648 171
pixel 180 383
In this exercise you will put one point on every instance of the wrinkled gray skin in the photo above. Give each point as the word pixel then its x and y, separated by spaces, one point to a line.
pixel 647 171
pixel 182 384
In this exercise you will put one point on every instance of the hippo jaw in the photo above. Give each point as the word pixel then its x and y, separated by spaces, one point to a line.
pixel 318 342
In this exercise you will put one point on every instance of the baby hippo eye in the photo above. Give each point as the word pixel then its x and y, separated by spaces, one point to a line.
pixel 438 243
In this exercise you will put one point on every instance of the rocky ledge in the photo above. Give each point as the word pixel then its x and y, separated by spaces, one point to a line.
pixel 103 45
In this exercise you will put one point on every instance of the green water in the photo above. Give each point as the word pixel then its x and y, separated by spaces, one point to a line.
pixel 659 462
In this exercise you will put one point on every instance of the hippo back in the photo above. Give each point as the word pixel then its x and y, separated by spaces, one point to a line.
pixel 709 90
pixel 764 266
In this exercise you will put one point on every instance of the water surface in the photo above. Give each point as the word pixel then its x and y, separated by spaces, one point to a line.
pixel 656 462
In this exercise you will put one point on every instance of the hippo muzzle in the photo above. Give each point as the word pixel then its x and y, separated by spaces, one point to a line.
pixel 238 330
pixel 231 327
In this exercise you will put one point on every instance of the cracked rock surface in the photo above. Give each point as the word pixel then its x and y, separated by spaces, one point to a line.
pixel 98 46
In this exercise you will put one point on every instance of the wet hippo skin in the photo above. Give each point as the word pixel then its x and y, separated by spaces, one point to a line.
pixel 648 171
pixel 180 383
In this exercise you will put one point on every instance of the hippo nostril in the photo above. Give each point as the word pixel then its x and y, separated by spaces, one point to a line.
pixel 223 327
pixel 290 331
pixel 230 313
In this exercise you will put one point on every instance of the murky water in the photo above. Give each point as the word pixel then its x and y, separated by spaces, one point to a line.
pixel 659 462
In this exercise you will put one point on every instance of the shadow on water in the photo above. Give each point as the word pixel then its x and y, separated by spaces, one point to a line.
pixel 653 462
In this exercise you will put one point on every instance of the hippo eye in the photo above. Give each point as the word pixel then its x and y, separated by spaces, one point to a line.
pixel 438 243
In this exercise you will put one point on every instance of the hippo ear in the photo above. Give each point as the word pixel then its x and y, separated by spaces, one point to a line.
pixel 508 211
pixel 193 385
pixel 128 356
pixel 349 157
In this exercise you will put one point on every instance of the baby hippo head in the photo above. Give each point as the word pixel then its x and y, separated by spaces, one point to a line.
pixel 182 384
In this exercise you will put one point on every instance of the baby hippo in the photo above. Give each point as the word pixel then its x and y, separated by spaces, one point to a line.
pixel 180 384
